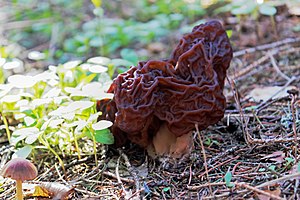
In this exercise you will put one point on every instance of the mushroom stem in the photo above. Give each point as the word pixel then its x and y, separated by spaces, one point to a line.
pixel 166 143
pixel 19 192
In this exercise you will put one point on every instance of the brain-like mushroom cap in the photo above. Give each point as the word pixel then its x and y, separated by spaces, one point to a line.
pixel 19 169
pixel 185 90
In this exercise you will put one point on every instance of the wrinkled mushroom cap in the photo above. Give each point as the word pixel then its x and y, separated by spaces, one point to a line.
pixel 181 91
pixel 19 169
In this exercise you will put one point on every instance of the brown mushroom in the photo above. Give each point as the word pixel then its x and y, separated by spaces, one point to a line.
pixel 20 170
pixel 158 103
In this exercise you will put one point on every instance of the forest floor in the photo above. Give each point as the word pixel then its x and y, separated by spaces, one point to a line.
pixel 256 143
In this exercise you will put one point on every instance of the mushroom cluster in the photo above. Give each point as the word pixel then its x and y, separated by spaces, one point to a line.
pixel 157 103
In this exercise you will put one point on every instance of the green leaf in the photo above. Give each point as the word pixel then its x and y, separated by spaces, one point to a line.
pixel 121 62
pixel 96 42
pixel 29 121
pixel 99 60
pixel 267 10
pixel 130 55
pixel 89 78
pixel 296 28
pixel 21 81
pixel 166 189
pixel 98 11
pixel 32 138
pixel 289 160
pixel 228 177
pixel 229 33
pixel 207 142
pixel 23 152
pixel 101 125
pixel 88 134
pixel 245 9
pixel 104 136
pixel 272 167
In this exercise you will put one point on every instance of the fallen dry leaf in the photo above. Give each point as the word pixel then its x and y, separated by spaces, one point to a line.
pixel 264 93
pixel 53 190
pixel 277 156
pixel 275 192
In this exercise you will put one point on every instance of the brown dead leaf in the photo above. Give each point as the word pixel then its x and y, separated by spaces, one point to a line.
pixel 275 192
pixel 52 190
pixel 277 156
pixel 264 93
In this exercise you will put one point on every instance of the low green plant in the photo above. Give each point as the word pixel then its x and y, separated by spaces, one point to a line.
pixel 79 29
pixel 251 8
pixel 228 178
pixel 56 109
pixel 246 7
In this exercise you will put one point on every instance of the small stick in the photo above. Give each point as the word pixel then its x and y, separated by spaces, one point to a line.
pixel 95 195
pixel 197 187
pixel 223 154
pixel 226 194
pixel 131 171
pixel 244 185
pixel 118 176
pixel 292 79
pixel 278 140
pixel 249 68
pixel 107 173
pixel 204 157
pixel 255 189
pixel 25 23
pixel 242 117
pixel 274 64
pixel 60 176
pixel 266 46
pixel 220 164
pixel 294 97
pixel 190 175
pixel 284 178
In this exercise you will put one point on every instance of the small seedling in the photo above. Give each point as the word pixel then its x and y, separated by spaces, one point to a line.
pixel 228 178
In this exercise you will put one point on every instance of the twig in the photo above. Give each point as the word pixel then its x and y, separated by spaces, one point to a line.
pixel 248 68
pixel 255 189
pixel 60 176
pixel 242 118
pixel 137 192
pixel 284 178
pixel 25 23
pixel 197 187
pixel 190 175
pixel 107 173
pixel 266 46
pixel 225 194
pixel 292 79
pixel 204 157
pixel 244 185
pixel 294 97
pixel 223 154
pixel 95 195
pixel 131 171
pixel 118 176
pixel 277 140
pixel 274 64
pixel 218 165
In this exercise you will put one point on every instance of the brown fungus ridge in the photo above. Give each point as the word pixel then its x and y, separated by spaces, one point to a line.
pixel 178 93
